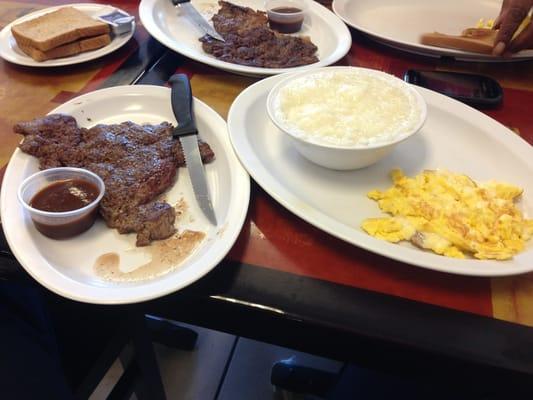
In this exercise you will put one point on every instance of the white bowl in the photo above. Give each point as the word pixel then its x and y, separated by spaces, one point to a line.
pixel 349 156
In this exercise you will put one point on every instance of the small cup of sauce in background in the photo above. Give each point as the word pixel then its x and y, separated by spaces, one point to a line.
pixel 62 202
pixel 286 16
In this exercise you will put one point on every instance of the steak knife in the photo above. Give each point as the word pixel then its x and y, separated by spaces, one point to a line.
pixel 193 14
pixel 186 131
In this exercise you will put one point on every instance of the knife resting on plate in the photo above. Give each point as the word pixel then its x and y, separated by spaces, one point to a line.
pixel 186 131
pixel 192 13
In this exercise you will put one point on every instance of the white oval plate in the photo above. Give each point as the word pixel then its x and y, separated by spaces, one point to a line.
pixel 455 137
pixel 400 24
pixel 66 266
pixel 9 50
pixel 162 20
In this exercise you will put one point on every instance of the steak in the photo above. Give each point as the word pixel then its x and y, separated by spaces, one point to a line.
pixel 249 41
pixel 136 162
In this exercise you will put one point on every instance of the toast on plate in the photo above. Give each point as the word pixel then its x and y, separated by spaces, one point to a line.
pixel 69 49
pixel 57 28
pixel 476 40
pixel 480 39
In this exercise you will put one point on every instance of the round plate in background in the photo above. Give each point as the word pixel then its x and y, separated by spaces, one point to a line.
pixel 400 23
pixel 9 50
pixel 175 31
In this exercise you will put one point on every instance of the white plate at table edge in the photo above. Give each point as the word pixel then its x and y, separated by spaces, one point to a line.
pixel 343 37
pixel 328 224
pixel 462 57
pixel 426 50
pixel 7 41
pixel 223 236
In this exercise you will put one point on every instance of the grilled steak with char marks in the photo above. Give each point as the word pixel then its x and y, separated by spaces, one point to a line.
pixel 249 40
pixel 136 162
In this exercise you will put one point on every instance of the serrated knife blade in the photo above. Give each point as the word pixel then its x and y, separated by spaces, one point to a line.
pixel 186 131
pixel 192 13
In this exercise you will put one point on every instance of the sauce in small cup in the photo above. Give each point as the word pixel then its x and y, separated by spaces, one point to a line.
pixel 286 16
pixel 62 202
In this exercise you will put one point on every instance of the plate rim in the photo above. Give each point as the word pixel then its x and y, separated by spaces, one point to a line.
pixel 425 50
pixel 5 35
pixel 238 206
pixel 343 47
pixel 286 198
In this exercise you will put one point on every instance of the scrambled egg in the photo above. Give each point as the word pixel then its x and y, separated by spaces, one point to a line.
pixel 482 24
pixel 489 24
pixel 451 215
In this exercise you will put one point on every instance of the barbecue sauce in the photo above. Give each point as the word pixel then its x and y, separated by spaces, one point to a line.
pixel 61 196
pixel 290 21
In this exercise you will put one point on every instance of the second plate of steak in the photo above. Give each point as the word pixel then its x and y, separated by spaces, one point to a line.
pixel 136 162
pixel 250 41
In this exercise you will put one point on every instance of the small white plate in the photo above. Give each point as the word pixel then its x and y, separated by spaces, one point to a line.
pixel 66 266
pixel 9 50
pixel 454 137
pixel 162 20
pixel 400 24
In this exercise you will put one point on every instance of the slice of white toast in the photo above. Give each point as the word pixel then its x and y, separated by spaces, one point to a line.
pixel 57 28
pixel 476 40
pixel 68 49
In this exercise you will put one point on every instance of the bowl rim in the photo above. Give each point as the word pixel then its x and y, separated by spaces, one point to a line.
pixel 54 214
pixel 292 75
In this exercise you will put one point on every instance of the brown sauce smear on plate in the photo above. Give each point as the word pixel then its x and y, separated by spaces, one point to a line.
pixel 167 255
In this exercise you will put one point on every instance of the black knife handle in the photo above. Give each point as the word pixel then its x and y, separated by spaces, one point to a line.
pixel 181 98
pixel 176 2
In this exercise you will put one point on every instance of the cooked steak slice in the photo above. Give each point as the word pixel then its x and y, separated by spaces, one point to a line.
pixel 152 221
pixel 48 138
pixel 249 40
pixel 234 19
pixel 136 162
